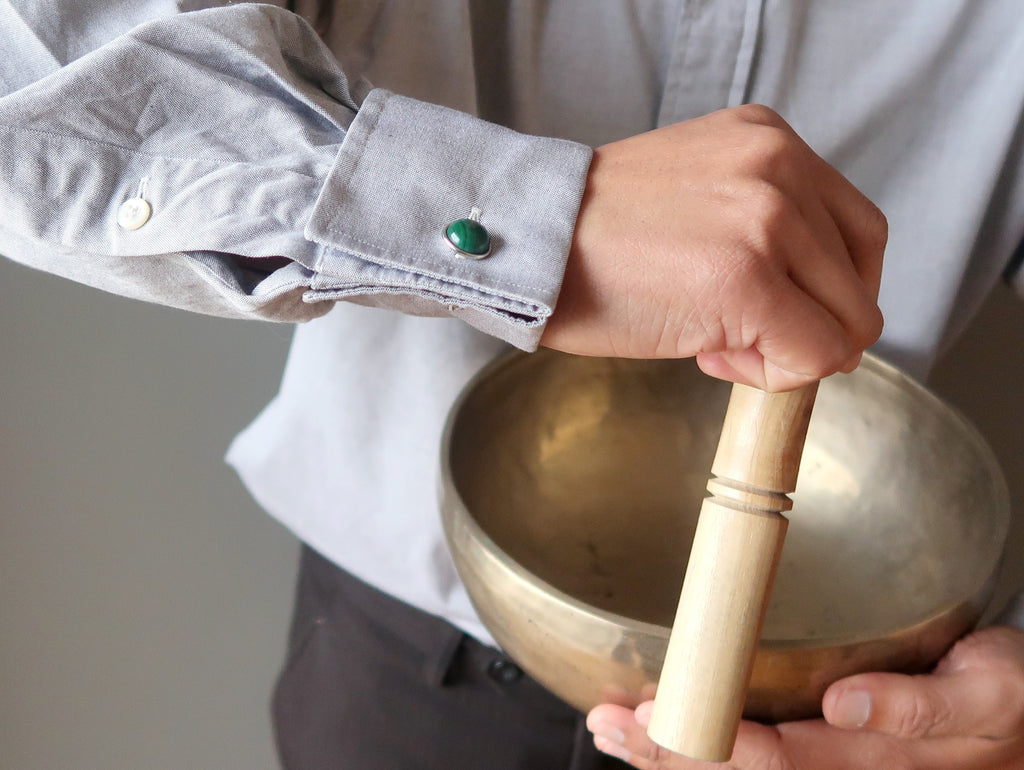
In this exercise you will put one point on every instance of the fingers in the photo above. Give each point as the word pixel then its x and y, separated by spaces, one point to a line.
pixel 807 745
pixel 796 746
pixel 861 225
pixel 978 692
pixel 836 255
pixel 790 349
pixel 824 265
pixel 621 733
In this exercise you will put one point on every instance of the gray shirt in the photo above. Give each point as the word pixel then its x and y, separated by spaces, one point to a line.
pixel 280 177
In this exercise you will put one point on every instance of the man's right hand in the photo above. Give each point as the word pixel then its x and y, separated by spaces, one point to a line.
pixel 726 238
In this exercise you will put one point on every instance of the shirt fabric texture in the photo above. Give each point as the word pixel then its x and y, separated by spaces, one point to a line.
pixel 293 180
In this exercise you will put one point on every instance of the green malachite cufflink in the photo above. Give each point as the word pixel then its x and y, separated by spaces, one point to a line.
pixel 468 238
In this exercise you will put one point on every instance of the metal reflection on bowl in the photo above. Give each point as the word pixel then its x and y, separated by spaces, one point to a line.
pixel 570 489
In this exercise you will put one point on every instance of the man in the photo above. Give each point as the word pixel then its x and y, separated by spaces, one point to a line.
pixel 223 161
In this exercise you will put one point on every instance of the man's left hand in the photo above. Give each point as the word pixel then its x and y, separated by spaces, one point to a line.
pixel 968 714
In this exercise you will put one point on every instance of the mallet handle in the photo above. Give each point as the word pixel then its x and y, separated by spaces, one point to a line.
pixel 728 580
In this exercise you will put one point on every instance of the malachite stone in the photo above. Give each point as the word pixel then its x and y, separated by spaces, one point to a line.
pixel 469 236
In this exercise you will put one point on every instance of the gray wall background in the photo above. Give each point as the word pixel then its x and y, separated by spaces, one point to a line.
pixel 144 597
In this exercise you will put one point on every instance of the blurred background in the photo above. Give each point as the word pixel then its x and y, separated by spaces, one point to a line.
pixel 144 598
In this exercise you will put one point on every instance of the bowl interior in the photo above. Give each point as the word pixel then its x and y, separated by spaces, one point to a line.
pixel 590 473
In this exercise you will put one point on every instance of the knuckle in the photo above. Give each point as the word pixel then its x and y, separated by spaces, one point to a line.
pixel 914 720
pixel 768 216
pixel 759 114
pixel 770 153
pixel 869 329
pixel 771 207
pixel 922 715
pixel 876 227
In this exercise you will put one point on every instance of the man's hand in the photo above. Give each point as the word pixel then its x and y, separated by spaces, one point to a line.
pixel 967 715
pixel 726 238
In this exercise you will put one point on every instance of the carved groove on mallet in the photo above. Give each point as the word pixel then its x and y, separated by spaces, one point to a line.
pixel 747 496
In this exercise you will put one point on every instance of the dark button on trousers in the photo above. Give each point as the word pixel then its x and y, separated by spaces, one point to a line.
pixel 371 683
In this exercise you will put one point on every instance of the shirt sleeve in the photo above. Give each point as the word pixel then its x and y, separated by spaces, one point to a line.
pixel 272 186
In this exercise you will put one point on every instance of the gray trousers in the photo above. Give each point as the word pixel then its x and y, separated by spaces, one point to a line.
pixel 371 682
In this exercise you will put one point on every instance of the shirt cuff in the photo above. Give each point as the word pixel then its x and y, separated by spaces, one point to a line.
pixel 405 171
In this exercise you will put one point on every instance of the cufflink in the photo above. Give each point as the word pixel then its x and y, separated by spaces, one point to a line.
pixel 468 238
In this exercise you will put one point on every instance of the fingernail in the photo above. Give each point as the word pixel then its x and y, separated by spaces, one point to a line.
pixel 605 746
pixel 853 710
pixel 609 739
pixel 609 732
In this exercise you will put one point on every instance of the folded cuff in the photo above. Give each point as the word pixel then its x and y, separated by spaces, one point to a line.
pixel 405 171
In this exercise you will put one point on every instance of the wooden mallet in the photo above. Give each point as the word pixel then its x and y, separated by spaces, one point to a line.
pixel 736 548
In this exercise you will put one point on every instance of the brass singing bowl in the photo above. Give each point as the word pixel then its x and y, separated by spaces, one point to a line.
pixel 570 489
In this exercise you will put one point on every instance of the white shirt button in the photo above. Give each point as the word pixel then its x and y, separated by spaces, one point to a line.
pixel 134 213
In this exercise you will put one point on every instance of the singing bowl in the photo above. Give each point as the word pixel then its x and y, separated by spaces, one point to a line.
pixel 570 488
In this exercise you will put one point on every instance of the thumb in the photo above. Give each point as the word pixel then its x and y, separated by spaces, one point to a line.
pixel 977 691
